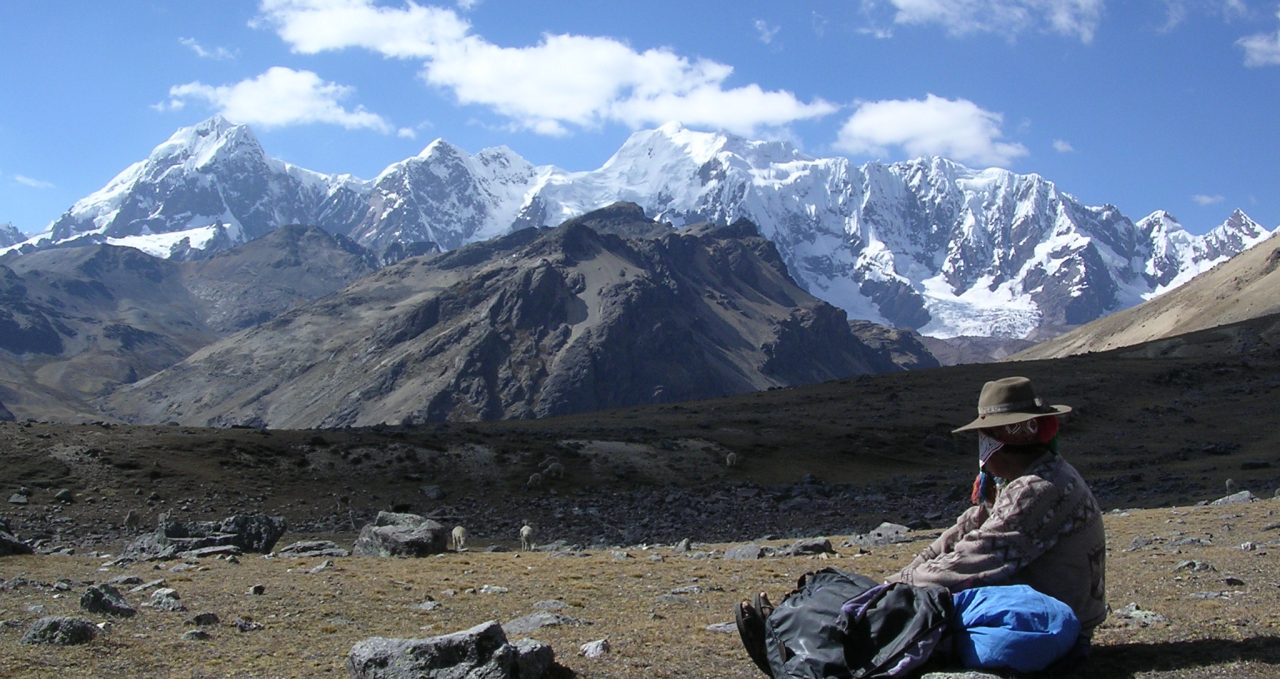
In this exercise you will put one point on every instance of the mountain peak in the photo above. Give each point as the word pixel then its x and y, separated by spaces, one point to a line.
pixel 207 139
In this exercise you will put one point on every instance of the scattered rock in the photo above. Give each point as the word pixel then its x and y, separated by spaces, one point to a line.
pixel 747 552
pixel 482 651
pixel 311 549
pixel 166 599
pixel 1194 566
pixel 323 566
pixel 258 590
pixel 196 635
pixel 1142 617
pixel 108 600
pixel 594 649
pixel 493 589
pixel 808 547
pixel 65 496
pixel 246 624
pixel 60 631
pixel 722 627
pixel 1242 497
pixel 884 534
pixel 204 619
pixel 394 534
pixel 538 620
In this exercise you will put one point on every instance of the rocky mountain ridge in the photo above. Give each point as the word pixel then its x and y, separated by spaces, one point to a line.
pixel 536 323
pixel 926 244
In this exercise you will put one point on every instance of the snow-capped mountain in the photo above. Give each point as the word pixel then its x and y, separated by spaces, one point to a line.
pixel 927 244
pixel 10 235
pixel 210 183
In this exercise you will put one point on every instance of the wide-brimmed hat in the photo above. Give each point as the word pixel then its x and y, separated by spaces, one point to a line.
pixel 1009 400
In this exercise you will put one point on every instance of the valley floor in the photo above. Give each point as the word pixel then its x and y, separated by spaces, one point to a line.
pixel 1194 591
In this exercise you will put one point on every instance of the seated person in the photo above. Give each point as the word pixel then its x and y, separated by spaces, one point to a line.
pixel 1034 520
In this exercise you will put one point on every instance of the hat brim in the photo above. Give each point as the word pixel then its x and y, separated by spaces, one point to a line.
pixel 1001 419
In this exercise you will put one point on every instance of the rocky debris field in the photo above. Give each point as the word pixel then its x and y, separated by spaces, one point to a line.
pixel 1193 592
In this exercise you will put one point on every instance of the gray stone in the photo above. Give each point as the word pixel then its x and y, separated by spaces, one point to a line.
pixel 166 599
pixel 18 499
pixel 312 548
pixel 196 635
pixel 748 552
pixel 538 620
pixel 401 535
pixel 60 631
pixel 1240 498
pixel 534 658
pixel 807 547
pixel 1142 617
pixel 594 649
pixel 722 627
pixel 108 600
pixel 65 496
pixel 884 534
pixel 247 624
pixel 481 652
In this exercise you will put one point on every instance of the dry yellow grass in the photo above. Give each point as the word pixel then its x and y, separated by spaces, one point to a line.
pixel 311 620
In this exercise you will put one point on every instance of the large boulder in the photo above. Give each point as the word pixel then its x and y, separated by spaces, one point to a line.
pixel 393 534
pixel 248 532
pixel 60 631
pixel 107 600
pixel 481 652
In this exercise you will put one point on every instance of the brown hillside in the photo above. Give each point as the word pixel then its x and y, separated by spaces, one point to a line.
pixel 1244 287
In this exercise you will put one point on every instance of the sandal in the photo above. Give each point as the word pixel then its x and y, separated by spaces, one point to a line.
pixel 751 629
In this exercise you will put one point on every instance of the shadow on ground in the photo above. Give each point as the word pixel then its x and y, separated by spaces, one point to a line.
pixel 1129 660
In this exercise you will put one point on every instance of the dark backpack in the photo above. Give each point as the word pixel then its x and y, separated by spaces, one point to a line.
pixel 847 626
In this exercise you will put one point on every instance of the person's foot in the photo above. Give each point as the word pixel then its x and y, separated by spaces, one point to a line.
pixel 751 629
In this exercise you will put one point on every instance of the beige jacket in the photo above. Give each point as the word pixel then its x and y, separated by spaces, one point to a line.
pixel 1043 530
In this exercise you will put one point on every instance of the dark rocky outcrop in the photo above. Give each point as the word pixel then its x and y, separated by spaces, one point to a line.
pixel 394 534
pixel 60 631
pixel 246 532
pixel 480 652
pixel 10 544
pixel 107 600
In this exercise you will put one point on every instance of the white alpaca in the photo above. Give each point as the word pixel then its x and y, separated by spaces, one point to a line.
pixel 555 470
pixel 731 460
pixel 526 538
pixel 458 538
pixel 534 482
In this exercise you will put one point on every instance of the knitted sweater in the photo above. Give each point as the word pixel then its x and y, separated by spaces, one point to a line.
pixel 1043 530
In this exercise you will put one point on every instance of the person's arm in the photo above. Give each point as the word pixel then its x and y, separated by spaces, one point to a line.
pixel 1021 526
pixel 968 520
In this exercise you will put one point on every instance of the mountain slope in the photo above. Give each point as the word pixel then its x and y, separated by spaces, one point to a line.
pixel 537 323
pixel 1243 288
pixel 77 322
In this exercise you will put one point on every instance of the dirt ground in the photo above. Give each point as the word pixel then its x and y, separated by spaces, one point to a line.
pixel 1218 616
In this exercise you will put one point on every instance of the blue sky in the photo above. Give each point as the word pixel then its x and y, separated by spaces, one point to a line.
pixel 1145 104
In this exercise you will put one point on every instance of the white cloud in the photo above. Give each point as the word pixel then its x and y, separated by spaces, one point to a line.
pixel 32 183
pixel 216 54
pixel 765 32
pixel 1063 146
pixel 1202 199
pixel 564 81
pixel 1262 49
pixel 953 128
pixel 1179 11
pixel 278 98
pixel 1072 18
pixel 407 133
pixel 468 5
